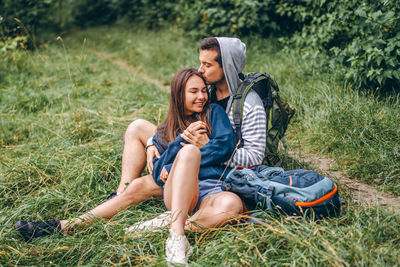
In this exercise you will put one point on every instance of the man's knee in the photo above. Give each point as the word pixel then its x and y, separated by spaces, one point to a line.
pixel 142 188
pixel 139 129
pixel 228 202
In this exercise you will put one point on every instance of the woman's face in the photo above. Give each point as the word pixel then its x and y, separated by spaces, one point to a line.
pixel 195 95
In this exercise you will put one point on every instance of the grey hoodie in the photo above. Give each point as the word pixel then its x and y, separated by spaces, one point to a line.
pixel 233 56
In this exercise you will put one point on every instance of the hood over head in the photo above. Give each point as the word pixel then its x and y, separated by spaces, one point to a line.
pixel 233 56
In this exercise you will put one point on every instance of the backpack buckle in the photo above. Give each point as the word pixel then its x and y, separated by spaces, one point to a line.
pixel 237 96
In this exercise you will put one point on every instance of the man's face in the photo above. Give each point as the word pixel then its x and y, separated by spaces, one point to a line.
pixel 209 68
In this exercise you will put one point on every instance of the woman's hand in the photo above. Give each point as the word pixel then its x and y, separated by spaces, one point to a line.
pixel 151 152
pixel 196 134
pixel 164 175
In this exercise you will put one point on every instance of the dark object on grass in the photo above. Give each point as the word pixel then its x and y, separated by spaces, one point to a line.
pixel 31 230
pixel 112 195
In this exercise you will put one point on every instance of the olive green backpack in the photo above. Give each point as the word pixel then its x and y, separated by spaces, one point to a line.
pixel 278 111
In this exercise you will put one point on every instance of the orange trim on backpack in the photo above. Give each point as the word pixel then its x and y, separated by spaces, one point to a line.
pixel 254 166
pixel 318 201
pixel 291 180
pixel 241 167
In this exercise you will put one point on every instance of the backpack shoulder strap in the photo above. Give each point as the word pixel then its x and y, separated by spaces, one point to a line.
pixel 238 102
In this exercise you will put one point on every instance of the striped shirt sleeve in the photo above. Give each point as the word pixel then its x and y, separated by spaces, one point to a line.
pixel 253 134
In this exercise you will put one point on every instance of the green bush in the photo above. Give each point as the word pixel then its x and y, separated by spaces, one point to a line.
pixel 360 38
pixel 8 46
pixel 360 35
pixel 24 17
pixel 152 14
pixel 363 36
pixel 93 12
pixel 228 17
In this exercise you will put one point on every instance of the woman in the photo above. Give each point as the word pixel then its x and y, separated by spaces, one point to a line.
pixel 187 174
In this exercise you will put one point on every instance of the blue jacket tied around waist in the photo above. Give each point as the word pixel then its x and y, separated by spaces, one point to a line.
pixel 213 155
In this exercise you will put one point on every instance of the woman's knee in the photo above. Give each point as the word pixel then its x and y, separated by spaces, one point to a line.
pixel 189 153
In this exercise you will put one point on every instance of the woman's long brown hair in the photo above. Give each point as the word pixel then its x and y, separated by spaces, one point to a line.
pixel 176 121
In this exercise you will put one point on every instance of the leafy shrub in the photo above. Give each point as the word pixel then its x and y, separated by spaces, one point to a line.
pixel 93 12
pixel 11 44
pixel 228 17
pixel 361 35
pixel 8 47
pixel 148 13
pixel 24 17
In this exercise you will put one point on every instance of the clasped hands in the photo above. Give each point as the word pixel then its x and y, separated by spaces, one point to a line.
pixel 195 134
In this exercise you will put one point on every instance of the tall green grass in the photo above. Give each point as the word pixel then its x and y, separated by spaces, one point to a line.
pixel 64 111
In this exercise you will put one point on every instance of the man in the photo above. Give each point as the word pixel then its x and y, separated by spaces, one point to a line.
pixel 222 59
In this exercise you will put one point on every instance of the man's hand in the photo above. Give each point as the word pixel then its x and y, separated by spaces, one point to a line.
pixel 196 134
pixel 151 152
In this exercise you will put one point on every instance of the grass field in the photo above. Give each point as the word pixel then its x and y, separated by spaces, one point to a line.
pixel 63 112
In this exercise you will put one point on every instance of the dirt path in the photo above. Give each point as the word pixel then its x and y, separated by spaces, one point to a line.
pixel 129 68
pixel 361 193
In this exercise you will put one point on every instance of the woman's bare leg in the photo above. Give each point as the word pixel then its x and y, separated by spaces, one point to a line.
pixel 140 189
pixel 182 186
pixel 134 156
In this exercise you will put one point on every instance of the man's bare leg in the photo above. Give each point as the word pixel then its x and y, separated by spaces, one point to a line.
pixel 215 211
pixel 138 190
pixel 134 155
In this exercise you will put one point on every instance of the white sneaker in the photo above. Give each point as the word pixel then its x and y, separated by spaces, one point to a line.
pixel 153 225
pixel 177 249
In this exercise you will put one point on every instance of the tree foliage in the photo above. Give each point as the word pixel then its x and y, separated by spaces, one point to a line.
pixel 361 38
pixel 93 12
pixel 229 17
pixel 21 17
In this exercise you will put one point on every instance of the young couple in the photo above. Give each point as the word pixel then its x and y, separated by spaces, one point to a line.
pixel 186 154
